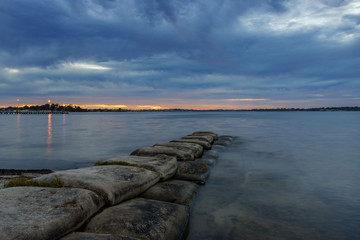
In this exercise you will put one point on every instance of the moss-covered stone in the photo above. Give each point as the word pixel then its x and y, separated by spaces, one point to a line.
pixel 27 181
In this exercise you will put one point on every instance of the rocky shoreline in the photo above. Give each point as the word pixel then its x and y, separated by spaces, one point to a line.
pixel 147 195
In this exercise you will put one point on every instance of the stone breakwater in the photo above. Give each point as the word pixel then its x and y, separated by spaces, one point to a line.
pixel 147 195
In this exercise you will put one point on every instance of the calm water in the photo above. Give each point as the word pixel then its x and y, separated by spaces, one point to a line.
pixel 290 175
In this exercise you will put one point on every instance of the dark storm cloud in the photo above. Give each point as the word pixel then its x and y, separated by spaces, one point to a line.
pixel 202 49
pixel 108 29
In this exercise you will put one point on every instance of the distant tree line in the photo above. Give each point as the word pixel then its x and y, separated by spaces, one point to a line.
pixel 47 107
pixel 308 109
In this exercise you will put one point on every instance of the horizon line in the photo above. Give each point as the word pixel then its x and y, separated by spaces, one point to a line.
pixel 159 108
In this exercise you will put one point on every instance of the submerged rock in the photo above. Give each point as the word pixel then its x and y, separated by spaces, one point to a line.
pixel 224 141
pixel 197 149
pixel 95 236
pixel 210 157
pixel 218 148
pixel 114 183
pixel 227 138
pixel 174 191
pixel 197 171
pixel 44 213
pixel 211 154
pixel 142 218
pixel 165 165
pixel 182 155
pixel 203 143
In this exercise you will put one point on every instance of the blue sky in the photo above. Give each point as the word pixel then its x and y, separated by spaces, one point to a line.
pixel 181 53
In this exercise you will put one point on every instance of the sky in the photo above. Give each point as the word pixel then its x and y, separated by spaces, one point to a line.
pixel 195 54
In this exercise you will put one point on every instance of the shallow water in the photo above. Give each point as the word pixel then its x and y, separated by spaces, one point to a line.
pixel 288 175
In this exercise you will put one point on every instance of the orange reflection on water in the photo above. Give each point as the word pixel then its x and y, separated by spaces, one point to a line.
pixel 19 128
pixel 49 139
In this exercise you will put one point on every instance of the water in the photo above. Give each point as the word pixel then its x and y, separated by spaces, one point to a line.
pixel 288 175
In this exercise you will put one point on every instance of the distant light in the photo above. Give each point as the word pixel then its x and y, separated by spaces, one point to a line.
pixel 18 100
pixel 49 101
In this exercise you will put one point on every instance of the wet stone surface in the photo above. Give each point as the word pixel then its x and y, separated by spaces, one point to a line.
pixel 197 171
pixel 195 148
pixel 174 191
pixel 142 218
pixel 203 143
pixel 209 139
pixel 205 133
pixel 182 155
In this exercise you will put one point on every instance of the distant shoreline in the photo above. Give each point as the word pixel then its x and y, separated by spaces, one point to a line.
pixel 74 108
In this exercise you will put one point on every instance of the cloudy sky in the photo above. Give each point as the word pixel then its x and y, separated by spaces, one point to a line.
pixel 196 54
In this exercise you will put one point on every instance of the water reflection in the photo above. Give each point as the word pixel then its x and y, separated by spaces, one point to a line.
pixel 64 119
pixel 18 125
pixel 260 196
pixel 49 137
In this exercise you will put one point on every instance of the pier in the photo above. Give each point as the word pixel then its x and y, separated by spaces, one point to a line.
pixel 33 112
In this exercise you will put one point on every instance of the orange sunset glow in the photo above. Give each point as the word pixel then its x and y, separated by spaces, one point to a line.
pixel 226 104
